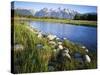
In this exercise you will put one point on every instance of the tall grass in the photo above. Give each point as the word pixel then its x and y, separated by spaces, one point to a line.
pixel 33 59
pixel 30 59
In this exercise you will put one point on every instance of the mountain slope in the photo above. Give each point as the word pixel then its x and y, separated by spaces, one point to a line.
pixel 57 13
pixel 23 12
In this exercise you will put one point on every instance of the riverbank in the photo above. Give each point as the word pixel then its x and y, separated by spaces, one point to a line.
pixel 65 21
pixel 37 52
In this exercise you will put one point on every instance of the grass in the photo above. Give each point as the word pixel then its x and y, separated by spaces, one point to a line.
pixel 23 59
pixel 33 59
pixel 65 21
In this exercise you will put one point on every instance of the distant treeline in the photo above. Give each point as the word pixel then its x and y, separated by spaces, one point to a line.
pixel 87 16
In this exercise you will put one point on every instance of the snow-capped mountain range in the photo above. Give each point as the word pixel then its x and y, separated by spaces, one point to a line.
pixel 57 13
pixel 45 12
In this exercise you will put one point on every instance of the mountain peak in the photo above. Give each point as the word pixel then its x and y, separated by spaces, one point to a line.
pixel 56 13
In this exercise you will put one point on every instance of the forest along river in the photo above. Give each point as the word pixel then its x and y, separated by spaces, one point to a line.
pixel 79 34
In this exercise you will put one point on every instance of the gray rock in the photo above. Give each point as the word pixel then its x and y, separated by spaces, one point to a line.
pixel 87 59
pixel 52 43
pixel 39 35
pixel 83 47
pixel 60 47
pixel 51 68
pixel 66 55
pixel 60 43
pixel 86 50
pixel 66 51
pixel 18 47
pixel 57 38
pixel 39 46
pixel 51 37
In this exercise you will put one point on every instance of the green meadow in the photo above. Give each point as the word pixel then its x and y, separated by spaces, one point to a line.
pixel 65 21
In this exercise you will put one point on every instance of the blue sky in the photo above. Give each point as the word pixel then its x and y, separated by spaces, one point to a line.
pixel 38 6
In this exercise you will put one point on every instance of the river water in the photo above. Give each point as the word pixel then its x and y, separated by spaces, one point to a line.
pixel 79 34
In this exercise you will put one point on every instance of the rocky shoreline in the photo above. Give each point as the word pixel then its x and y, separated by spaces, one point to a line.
pixel 61 53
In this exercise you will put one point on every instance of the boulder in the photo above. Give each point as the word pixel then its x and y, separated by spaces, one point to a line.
pixel 60 43
pixel 66 55
pixel 60 47
pixel 66 51
pixel 87 59
pixel 86 50
pixel 83 47
pixel 52 43
pixel 57 38
pixel 39 35
pixel 51 37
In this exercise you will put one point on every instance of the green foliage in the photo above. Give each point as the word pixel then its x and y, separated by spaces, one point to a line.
pixel 33 59
pixel 23 59
pixel 87 16
pixel 65 21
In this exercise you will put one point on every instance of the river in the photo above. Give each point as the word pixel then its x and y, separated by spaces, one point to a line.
pixel 79 34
